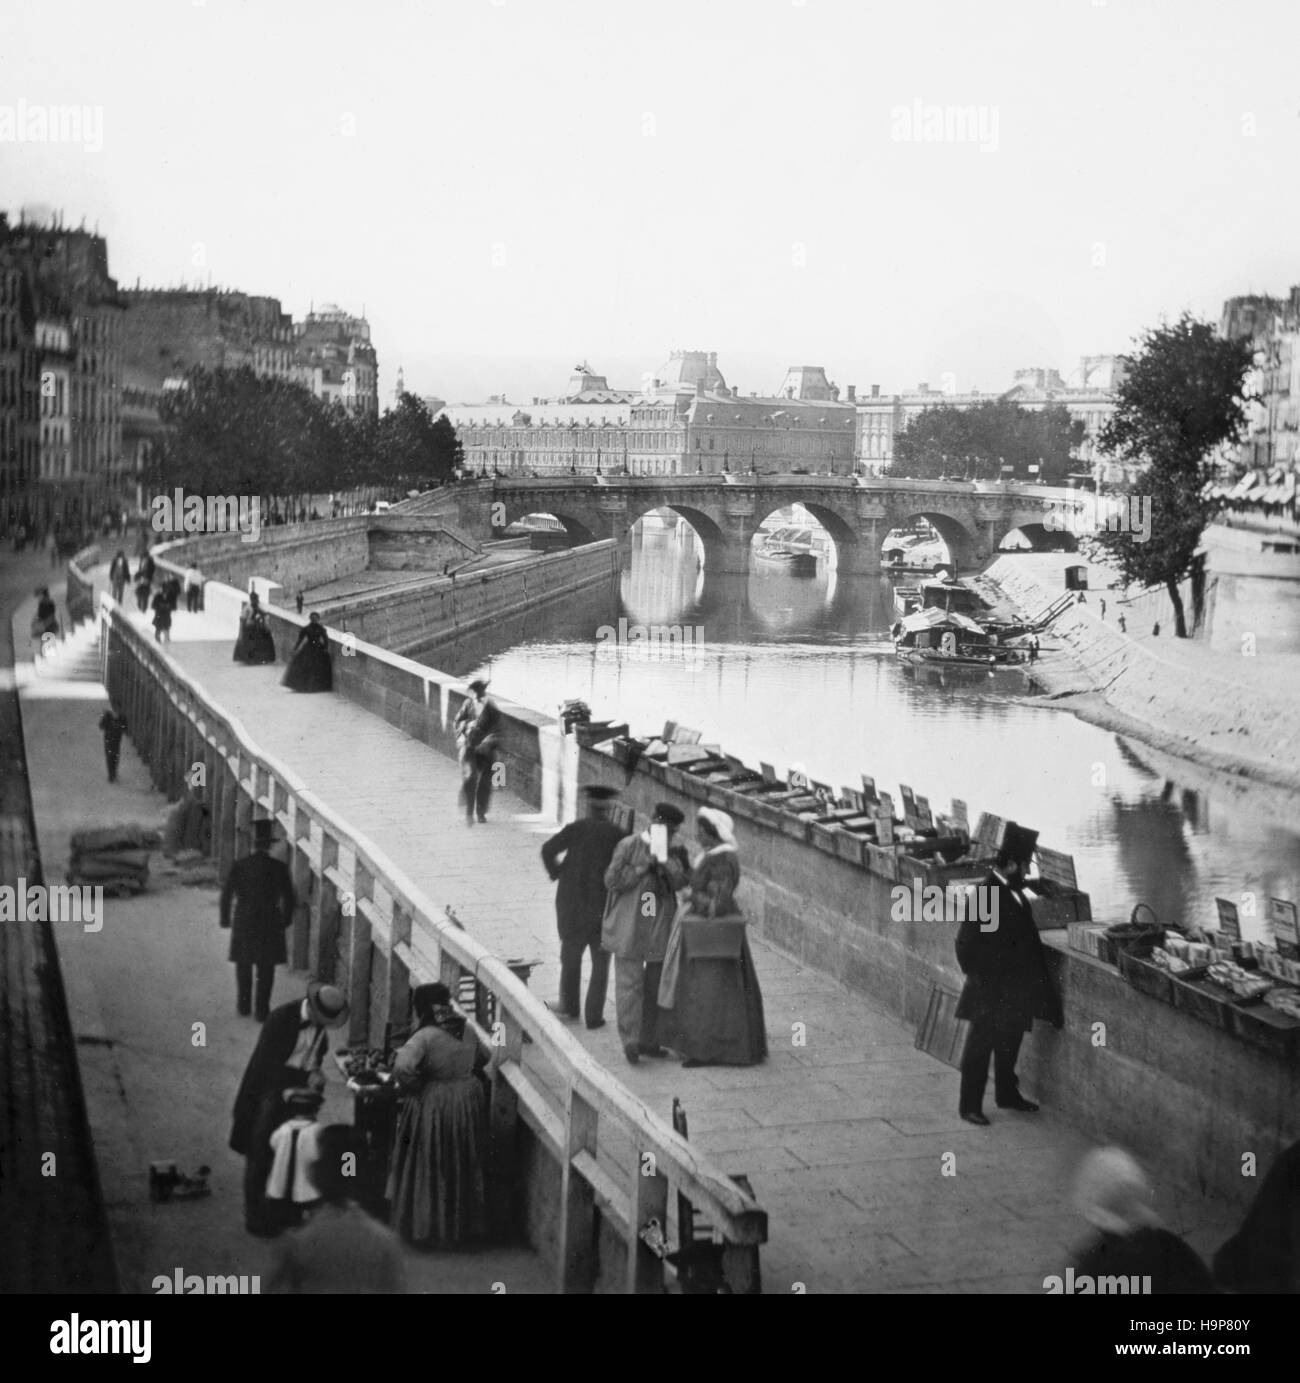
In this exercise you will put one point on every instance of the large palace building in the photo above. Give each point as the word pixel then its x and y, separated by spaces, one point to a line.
pixel 685 421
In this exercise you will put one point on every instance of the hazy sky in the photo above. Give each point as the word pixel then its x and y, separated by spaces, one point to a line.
pixel 509 186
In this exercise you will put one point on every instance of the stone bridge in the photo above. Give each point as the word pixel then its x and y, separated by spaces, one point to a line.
pixel 726 511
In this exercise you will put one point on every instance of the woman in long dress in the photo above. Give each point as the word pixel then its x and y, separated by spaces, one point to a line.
pixel 711 1006
pixel 436 1178
pixel 309 668
pixel 254 644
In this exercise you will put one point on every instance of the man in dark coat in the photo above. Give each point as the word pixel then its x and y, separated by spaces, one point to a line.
pixel 1007 984
pixel 112 725
pixel 1264 1254
pixel 478 734
pixel 261 892
pixel 578 857
pixel 288 1056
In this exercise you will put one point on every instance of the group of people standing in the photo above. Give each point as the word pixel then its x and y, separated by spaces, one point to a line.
pixel 684 976
pixel 310 668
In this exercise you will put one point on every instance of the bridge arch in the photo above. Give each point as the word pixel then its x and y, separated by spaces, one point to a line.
pixel 1039 537
pixel 961 542
pixel 709 531
pixel 841 532
pixel 578 526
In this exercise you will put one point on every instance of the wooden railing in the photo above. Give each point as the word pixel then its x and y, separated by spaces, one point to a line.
pixel 369 929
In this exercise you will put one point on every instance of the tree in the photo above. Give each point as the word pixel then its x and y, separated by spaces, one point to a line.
pixel 977 442
pixel 412 448
pixel 1183 397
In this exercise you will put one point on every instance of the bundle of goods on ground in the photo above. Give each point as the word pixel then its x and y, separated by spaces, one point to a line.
pixel 115 858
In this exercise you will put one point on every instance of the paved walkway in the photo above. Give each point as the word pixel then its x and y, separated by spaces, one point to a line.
pixel 844 1138
pixel 135 990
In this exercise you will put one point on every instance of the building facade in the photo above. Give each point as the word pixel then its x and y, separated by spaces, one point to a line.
pixel 685 420
pixel 1088 395
pixel 334 358
pixel 1272 325
pixel 61 360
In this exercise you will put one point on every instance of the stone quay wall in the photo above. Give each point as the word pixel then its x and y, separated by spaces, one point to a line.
pixel 1233 723
pixel 290 555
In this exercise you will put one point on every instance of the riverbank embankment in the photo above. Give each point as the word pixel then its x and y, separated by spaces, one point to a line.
pixel 1234 712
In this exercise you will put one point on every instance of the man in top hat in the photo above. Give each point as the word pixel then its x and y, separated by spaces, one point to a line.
pixel 638 921
pixel 288 1056
pixel 257 905
pixel 578 857
pixel 1007 983
pixel 478 735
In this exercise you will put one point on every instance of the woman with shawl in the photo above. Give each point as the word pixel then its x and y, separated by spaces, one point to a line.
pixel 711 1006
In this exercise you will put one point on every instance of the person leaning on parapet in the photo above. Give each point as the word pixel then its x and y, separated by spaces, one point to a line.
pixel 1113 1194
pixel 289 1052
pixel 1007 984
pixel 257 904
pixel 638 921
pixel 577 857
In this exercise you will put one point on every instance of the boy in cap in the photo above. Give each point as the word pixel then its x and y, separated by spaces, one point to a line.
pixel 637 924
pixel 289 1052
pixel 1007 984
pixel 578 856
pixel 257 904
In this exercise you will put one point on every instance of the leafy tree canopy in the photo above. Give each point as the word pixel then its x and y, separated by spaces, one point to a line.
pixel 977 442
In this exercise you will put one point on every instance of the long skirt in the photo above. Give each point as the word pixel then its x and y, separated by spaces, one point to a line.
pixel 436 1178
pixel 717 1016
pixel 309 670
pixel 254 645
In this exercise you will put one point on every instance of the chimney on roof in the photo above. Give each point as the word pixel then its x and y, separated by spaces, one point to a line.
pixel 875 391
pixel 852 390
pixel 699 388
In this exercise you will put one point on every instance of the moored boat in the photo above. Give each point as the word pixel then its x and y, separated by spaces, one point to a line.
pixel 950 639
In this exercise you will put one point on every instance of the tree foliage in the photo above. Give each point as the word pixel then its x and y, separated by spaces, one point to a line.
pixel 1183 397
pixel 234 432
pixel 976 442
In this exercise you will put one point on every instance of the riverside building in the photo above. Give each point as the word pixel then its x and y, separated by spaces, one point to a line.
pixel 685 420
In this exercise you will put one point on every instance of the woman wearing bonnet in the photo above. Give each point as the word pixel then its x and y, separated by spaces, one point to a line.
pixel 711 1007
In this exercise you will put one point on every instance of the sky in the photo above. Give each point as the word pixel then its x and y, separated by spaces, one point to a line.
pixel 508 187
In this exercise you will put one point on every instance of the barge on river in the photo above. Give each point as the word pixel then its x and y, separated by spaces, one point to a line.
pixel 950 639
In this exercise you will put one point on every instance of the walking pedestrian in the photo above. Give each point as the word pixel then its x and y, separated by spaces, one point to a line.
pixel 193 590
pixel 1155 630
pixel 1007 983
pixel 162 616
pixel 112 725
pixel 142 588
pixel 119 573
pixel 297 600
pixel 1033 648
pixel 1123 623
pixel 577 857
pixel 642 879
pixel 478 737
pixel 1114 1195
pixel 257 904
pixel 341 1249
pixel 290 1049
pixel 1103 607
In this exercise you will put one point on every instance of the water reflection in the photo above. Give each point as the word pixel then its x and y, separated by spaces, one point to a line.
pixel 800 671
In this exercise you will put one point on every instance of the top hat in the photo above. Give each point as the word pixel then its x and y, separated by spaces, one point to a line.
pixel 598 792
pixel 1018 844
pixel 666 814
pixel 263 831
pixel 328 1006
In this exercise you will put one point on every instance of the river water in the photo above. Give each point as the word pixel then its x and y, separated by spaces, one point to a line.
pixel 800 672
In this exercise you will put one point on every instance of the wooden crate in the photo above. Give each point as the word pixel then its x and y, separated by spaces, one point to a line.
pixel 1206 1002
pixel 882 860
pixel 1149 978
pixel 941 1033
pixel 1086 938
pixel 850 847
pixel 1266 1028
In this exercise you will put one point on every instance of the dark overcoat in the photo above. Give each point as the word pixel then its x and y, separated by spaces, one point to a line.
pixel 578 857
pixel 257 905
pixel 266 1073
pixel 1007 983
